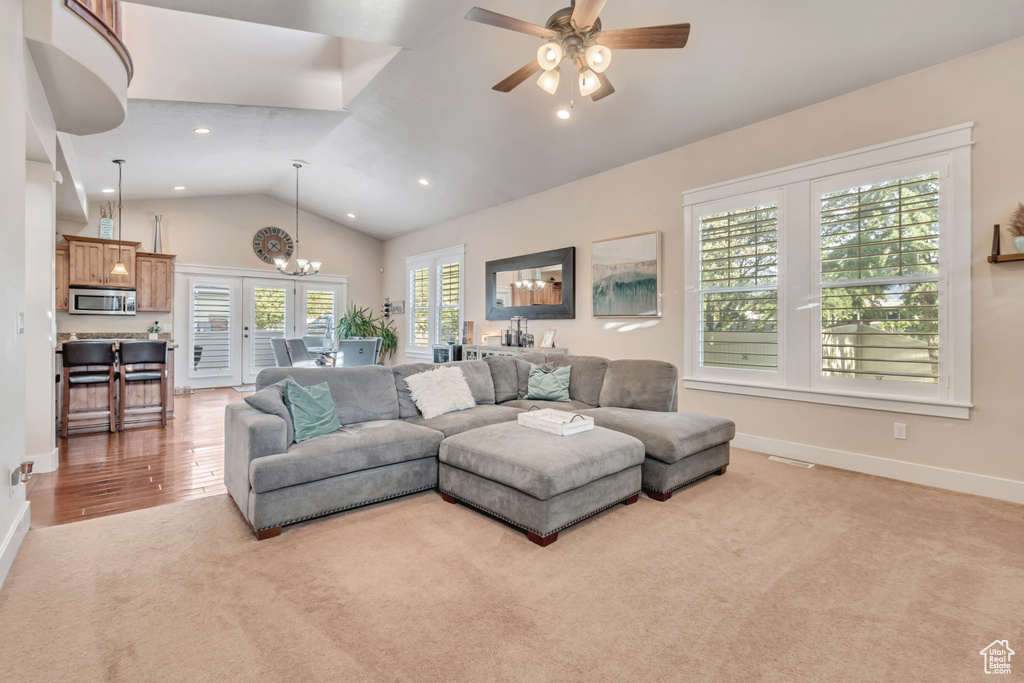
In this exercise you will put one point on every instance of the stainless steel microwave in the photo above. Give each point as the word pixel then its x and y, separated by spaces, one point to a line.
pixel 88 301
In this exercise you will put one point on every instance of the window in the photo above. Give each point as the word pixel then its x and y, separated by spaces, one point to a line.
pixel 435 286
pixel 845 280
pixel 739 288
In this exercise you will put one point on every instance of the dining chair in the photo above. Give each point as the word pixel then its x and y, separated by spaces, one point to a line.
pixel 280 348
pixel 301 358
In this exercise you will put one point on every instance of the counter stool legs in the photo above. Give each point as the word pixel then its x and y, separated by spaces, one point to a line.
pixel 112 397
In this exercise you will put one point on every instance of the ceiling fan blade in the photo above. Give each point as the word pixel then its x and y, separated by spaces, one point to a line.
pixel 605 90
pixel 486 16
pixel 518 77
pixel 585 13
pixel 646 38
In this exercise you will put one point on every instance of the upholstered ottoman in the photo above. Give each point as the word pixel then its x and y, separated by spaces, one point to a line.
pixel 681 447
pixel 540 482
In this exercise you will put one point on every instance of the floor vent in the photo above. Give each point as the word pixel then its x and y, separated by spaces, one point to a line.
pixel 787 461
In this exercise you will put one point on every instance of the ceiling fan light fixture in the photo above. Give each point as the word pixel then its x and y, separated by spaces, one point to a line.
pixel 549 55
pixel 548 81
pixel 598 58
pixel 589 83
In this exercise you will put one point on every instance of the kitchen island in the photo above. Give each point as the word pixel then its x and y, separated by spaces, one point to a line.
pixel 88 408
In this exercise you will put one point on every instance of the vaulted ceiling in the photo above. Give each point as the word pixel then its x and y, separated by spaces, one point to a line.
pixel 376 94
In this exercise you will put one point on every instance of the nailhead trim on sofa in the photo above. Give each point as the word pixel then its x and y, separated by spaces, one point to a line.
pixel 349 507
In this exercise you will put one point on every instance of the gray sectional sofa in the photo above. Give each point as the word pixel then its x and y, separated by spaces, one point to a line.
pixel 386 448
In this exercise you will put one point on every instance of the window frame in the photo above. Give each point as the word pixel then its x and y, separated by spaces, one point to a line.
pixel 799 290
pixel 773 196
pixel 433 262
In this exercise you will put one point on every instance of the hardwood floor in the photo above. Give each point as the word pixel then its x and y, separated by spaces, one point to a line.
pixel 104 474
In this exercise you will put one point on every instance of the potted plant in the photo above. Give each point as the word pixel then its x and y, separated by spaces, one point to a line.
pixel 360 322
pixel 1017 228
pixel 154 330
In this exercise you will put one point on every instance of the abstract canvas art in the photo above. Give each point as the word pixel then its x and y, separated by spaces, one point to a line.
pixel 627 276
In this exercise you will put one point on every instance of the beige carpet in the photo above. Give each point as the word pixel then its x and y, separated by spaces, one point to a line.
pixel 770 573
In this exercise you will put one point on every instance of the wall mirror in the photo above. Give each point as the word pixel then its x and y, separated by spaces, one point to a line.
pixel 540 286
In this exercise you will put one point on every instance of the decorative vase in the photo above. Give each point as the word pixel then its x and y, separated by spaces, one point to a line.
pixel 157 242
pixel 1019 243
pixel 153 335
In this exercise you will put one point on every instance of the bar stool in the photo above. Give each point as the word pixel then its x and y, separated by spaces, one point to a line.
pixel 138 353
pixel 80 354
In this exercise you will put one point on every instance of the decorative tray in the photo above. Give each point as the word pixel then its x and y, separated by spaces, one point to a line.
pixel 556 422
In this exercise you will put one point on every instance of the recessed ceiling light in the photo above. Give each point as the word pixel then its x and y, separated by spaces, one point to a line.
pixel 179 187
pixel 108 190
pixel 563 113
pixel 351 215
pixel 201 131
pixel 424 181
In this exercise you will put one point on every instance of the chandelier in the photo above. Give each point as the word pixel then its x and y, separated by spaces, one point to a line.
pixel 303 266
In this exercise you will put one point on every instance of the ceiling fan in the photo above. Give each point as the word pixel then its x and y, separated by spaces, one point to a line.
pixel 575 33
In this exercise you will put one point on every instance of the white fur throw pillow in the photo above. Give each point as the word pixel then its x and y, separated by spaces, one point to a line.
pixel 436 392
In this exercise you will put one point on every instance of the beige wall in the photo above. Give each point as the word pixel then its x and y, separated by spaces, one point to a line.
pixel 986 87
pixel 218 231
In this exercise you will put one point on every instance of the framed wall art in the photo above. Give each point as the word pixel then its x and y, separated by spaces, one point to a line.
pixel 626 279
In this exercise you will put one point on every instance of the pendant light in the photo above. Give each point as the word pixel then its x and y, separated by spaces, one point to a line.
pixel 119 268
pixel 304 267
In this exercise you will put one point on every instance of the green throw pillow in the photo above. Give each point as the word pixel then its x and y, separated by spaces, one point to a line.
pixel 312 410
pixel 550 385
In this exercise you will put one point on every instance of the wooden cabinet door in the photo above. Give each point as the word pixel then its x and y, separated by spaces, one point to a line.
pixel 61 277
pixel 154 279
pixel 85 264
pixel 112 254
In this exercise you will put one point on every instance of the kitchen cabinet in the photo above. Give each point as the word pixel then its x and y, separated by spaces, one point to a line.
pixel 154 282
pixel 61 277
pixel 90 261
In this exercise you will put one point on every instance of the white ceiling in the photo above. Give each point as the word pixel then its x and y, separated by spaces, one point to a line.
pixel 431 113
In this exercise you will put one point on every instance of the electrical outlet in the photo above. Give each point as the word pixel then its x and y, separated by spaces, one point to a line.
pixel 900 431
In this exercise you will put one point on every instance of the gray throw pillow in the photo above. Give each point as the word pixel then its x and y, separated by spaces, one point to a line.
pixel 270 400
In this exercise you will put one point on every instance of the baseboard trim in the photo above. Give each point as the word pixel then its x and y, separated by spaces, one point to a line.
pixel 952 480
pixel 12 540
pixel 44 462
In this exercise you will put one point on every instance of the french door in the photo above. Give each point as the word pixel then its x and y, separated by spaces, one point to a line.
pixel 231 321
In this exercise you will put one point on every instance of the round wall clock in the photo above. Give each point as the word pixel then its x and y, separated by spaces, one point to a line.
pixel 272 243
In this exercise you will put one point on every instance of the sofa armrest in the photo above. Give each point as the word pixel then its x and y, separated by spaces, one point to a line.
pixel 248 434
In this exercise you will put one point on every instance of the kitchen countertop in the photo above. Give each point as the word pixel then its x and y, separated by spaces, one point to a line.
pixel 114 337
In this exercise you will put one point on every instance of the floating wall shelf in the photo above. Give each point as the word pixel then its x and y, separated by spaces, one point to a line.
pixel 996 257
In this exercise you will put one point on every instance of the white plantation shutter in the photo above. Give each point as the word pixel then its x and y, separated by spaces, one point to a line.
pixel 434 309
pixel 738 288
pixel 211 326
pixel 880 313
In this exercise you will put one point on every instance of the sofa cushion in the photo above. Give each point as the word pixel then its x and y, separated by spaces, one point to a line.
pixel 539 464
pixel 548 385
pixel 640 384
pixel 504 376
pixel 439 391
pixel 312 410
pixel 360 394
pixel 270 400
pixel 568 406
pixel 476 372
pixel 464 420
pixel 353 448
pixel 586 378
pixel 668 437
pixel 524 364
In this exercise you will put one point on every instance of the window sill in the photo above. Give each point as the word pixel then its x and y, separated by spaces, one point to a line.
pixel 946 409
